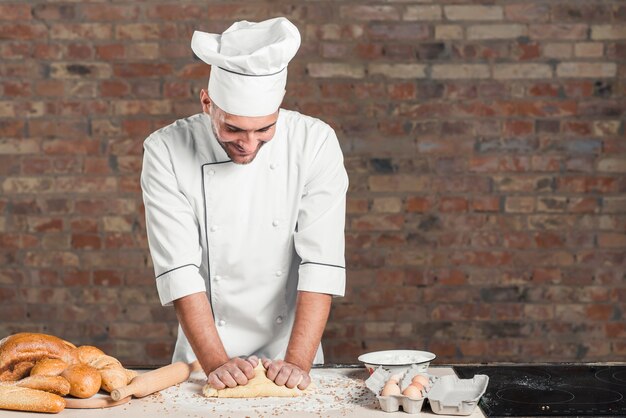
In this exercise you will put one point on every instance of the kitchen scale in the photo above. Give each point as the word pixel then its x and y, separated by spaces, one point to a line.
pixel 551 390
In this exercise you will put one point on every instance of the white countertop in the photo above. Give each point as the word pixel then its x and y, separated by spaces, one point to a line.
pixel 339 392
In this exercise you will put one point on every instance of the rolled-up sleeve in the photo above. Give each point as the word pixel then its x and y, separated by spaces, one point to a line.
pixel 173 230
pixel 319 238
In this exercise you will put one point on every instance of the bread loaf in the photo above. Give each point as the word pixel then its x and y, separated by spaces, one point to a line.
pixel 18 371
pixel 46 355
pixel 53 384
pixel 29 348
pixel 84 380
pixel 17 398
pixel 49 367
pixel 114 375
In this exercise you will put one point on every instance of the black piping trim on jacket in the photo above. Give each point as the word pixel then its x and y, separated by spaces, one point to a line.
pixel 176 268
pixel 323 264
pixel 252 75
pixel 206 230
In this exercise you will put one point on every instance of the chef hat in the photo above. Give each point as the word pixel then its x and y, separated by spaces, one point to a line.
pixel 248 64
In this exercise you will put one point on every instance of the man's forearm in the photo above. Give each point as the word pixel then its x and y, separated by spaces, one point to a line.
pixel 312 311
pixel 196 318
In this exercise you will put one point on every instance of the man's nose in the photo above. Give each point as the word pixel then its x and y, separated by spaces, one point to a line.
pixel 252 138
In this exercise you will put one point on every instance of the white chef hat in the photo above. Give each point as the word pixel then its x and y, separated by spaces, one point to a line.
pixel 248 64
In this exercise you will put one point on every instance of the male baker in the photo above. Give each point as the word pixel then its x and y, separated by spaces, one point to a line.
pixel 245 212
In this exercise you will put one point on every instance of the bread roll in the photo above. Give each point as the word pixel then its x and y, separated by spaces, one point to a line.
pixel 53 384
pixel 24 399
pixel 84 380
pixel 49 367
pixel 31 347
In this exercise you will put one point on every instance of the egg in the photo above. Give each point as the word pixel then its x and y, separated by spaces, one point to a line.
pixel 418 385
pixel 391 389
pixel 395 378
pixel 412 392
pixel 421 379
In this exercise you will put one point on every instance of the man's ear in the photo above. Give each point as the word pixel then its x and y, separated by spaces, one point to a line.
pixel 205 100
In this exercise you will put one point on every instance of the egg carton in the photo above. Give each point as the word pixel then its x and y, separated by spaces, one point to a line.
pixel 447 395
pixel 392 403
pixel 454 396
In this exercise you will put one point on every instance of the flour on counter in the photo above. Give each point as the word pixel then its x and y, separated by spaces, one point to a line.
pixel 334 391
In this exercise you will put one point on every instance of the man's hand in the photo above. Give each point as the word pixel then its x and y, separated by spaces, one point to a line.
pixel 288 374
pixel 236 371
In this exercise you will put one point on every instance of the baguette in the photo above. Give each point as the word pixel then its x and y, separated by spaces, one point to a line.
pixel 17 398
pixel 53 384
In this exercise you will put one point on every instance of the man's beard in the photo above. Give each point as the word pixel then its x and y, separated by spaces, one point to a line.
pixel 226 148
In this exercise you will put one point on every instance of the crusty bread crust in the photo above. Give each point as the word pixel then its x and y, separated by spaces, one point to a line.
pixel 56 366
pixel 25 399
pixel 53 384
pixel 84 380
pixel 49 367
pixel 29 348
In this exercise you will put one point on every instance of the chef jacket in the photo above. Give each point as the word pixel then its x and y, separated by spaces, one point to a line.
pixel 250 235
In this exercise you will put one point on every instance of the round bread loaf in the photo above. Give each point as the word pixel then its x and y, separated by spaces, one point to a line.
pixel 84 380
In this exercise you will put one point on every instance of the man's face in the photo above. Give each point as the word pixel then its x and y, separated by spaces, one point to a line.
pixel 240 136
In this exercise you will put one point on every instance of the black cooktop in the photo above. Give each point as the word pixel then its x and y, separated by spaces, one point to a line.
pixel 551 390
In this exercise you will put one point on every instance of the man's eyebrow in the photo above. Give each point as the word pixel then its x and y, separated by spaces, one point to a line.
pixel 237 128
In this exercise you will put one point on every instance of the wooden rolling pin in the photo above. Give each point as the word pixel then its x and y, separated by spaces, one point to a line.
pixel 154 381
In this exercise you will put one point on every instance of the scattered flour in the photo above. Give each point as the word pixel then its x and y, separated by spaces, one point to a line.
pixel 335 390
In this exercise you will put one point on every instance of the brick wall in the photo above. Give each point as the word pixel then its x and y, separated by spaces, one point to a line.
pixel 484 142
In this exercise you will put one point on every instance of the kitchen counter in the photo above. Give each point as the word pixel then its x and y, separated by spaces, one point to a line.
pixel 339 392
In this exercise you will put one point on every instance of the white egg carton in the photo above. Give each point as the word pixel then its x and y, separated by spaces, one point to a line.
pixel 454 396
pixel 448 395
pixel 377 381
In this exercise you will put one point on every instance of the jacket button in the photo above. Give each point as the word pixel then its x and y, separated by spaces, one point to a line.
pixel 217 278
pixel 221 323
pixel 279 320
pixel 275 222
pixel 279 273
pixel 273 166
pixel 213 228
pixel 211 172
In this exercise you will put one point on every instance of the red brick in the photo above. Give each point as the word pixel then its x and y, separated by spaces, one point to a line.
pixel 401 91
pixel 486 204
pixel 23 31
pixel 517 127
pixel 588 184
pixel 108 12
pixel 177 11
pixel 132 70
pixel 15 12
pixel 86 242
pixel 418 204
pixel 599 312
pixel 453 204
pixel 108 52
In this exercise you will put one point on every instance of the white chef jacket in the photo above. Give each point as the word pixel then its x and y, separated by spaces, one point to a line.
pixel 251 235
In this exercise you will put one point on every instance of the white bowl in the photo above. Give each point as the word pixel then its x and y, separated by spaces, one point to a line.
pixel 397 361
